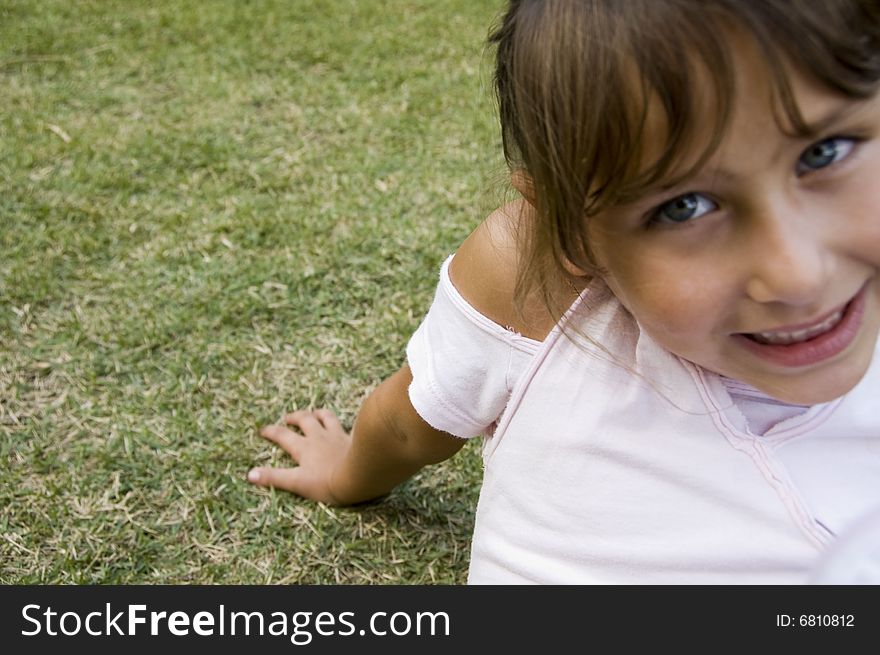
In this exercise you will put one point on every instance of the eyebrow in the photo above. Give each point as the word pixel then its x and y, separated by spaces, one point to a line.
pixel 841 112
pixel 838 113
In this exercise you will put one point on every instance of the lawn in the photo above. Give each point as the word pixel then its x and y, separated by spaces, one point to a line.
pixel 213 213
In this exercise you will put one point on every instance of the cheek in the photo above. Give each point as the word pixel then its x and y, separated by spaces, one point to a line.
pixel 673 305
pixel 677 296
pixel 857 206
pixel 867 241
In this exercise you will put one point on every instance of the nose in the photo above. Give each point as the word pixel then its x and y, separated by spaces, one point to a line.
pixel 790 258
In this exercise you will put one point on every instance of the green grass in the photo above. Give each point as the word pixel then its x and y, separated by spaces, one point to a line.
pixel 213 213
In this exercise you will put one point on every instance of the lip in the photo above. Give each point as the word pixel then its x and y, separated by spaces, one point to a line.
pixel 809 324
pixel 817 349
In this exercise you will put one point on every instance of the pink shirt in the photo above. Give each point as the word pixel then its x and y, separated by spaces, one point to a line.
pixel 633 465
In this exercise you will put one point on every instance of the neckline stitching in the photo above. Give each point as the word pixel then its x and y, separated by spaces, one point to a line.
pixel 757 450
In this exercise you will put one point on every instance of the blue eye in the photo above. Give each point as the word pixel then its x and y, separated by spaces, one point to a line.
pixel 683 208
pixel 824 153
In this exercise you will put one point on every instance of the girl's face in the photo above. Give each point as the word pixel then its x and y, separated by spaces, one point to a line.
pixel 764 265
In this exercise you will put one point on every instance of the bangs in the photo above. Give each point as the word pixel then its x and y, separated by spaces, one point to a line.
pixel 676 83
pixel 678 101
pixel 694 85
pixel 584 85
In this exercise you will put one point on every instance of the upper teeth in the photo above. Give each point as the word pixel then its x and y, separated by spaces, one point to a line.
pixel 785 338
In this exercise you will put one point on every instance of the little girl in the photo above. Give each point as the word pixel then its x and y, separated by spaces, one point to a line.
pixel 669 343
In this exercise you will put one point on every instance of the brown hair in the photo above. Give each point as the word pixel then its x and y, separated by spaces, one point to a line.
pixel 573 78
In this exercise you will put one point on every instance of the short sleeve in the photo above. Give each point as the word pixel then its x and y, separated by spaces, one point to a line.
pixel 464 365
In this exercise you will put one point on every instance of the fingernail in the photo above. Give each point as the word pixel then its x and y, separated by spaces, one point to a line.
pixel 254 475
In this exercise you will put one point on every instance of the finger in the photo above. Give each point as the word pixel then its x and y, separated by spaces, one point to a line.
pixel 328 419
pixel 287 439
pixel 305 421
pixel 288 479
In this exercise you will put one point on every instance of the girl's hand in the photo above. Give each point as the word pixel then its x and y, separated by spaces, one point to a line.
pixel 319 448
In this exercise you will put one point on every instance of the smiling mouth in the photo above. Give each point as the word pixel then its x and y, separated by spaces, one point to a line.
pixel 787 338
pixel 807 344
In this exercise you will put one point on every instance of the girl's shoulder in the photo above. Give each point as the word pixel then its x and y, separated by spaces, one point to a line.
pixel 485 269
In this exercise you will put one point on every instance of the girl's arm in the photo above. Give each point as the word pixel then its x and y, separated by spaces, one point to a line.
pixel 388 444
pixel 390 441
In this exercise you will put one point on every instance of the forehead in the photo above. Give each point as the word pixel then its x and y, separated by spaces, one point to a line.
pixel 754 96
